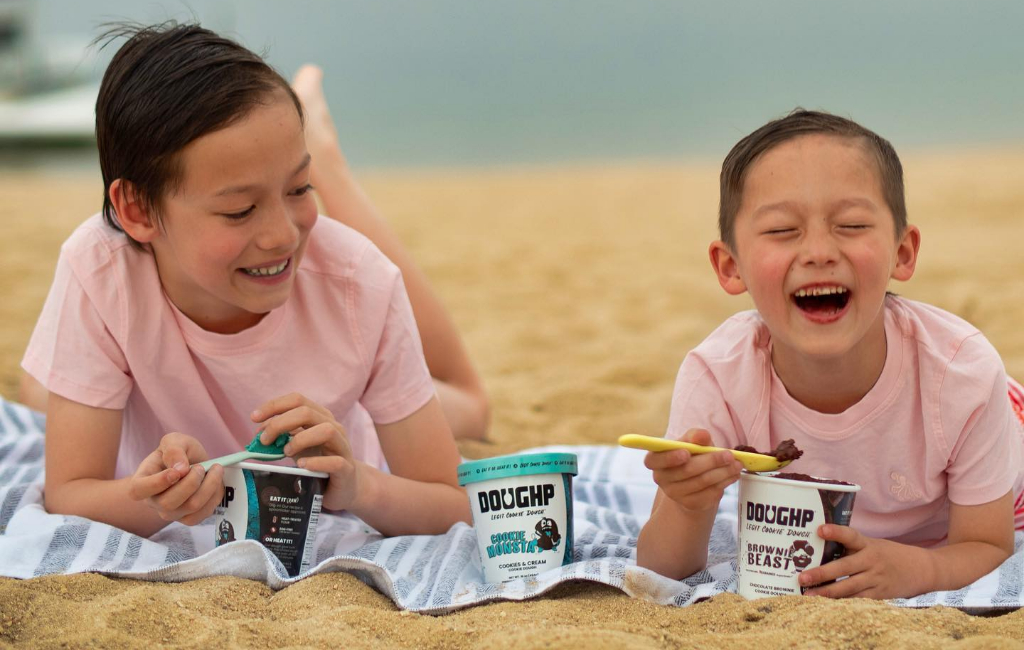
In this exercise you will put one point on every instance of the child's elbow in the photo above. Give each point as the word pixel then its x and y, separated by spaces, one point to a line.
pixel 1007 547
pixel 451 512
pixel 667 567
pixel 56 501
pixel 464 513
pixel 1004 541
pixel 53 505
pixel 652 555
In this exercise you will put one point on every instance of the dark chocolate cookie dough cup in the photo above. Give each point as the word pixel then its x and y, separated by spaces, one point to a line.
pixel 779 518
pixel 278 506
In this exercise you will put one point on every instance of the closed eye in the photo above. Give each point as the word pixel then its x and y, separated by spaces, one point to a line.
pixel 302 190
pixel 779 231
pixel 239 215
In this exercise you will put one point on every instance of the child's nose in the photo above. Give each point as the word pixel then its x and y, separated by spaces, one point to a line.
pixel 819 248
pixel 277 230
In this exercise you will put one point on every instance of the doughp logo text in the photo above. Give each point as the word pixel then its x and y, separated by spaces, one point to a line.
pixel 525 496
pixel 229 496
pixel 779 515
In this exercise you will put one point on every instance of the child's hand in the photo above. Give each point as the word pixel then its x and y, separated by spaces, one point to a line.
pixel 313 429
pixel 876 568
pixel 695 483
pixel 170 484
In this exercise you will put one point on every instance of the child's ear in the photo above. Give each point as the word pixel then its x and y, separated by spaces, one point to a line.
pixel 906 254
pixel 726 268
pixel 134 217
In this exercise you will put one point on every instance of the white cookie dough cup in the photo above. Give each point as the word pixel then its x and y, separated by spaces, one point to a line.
pixel 522 512
pixel 778 524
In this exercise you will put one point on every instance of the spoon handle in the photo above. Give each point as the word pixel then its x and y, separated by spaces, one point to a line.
pixel 650 443
pixel 238 457
pixel 751 462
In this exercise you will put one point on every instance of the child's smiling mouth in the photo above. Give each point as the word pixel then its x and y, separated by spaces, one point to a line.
pixel 267 271
pixel 823 302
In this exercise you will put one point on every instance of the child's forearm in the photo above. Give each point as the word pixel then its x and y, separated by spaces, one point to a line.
pixel 106 501
pixel 400 506
pixel 674 542
pixel 954 566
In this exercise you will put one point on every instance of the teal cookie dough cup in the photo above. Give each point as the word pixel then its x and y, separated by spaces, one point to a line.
pixel 522 512
pixel 778 529
pixel 275 505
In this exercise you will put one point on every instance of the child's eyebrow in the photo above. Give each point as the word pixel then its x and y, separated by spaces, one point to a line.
pixel 781 206
pixel 794 208
pixel 855 202
pixel 240 189
pixel 305 163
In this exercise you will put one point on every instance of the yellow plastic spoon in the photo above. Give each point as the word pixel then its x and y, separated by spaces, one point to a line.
pixel 751 462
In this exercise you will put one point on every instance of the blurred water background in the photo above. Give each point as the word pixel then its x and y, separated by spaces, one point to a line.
pixel 466 83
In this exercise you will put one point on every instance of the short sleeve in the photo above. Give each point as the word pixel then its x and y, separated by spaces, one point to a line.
pixel 699 403
pixel 978 421
pixel 72 351
pixel 399 382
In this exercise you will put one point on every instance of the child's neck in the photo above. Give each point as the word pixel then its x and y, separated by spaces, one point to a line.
pixel 833 384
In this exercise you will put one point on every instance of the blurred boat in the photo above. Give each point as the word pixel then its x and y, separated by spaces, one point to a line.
pixel 47 90
pixel 66 115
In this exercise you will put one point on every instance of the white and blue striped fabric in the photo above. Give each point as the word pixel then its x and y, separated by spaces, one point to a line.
pixel 428 574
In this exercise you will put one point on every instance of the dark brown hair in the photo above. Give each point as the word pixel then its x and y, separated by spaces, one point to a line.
pixel 167 86
pixel 803 122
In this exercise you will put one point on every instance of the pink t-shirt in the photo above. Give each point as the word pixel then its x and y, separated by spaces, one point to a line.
pixel 109 337
pixel 936 427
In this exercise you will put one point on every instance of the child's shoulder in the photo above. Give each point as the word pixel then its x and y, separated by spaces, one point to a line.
pixel 943 337
pixel 742 335
pixel 930 325
pixel 338 251
pixel 93 232
pixel 95 246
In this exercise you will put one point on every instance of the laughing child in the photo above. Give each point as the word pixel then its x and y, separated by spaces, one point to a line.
pixel 900 397
pixel 209 301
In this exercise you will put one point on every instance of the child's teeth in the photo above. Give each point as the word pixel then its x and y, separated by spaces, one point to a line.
pixel 268 270
pixel 819 291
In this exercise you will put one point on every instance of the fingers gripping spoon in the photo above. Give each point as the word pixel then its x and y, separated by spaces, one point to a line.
pixel 751 462
pixel 255 450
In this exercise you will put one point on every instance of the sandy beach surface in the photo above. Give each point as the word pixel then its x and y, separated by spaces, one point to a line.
pixel 578 291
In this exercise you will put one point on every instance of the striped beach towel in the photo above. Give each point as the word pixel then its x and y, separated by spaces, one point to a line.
pixel 428 574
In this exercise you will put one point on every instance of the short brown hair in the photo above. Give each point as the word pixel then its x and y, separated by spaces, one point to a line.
pixel 169 85
pixel 803 122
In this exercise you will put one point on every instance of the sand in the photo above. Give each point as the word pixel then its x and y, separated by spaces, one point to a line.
pixel 578 290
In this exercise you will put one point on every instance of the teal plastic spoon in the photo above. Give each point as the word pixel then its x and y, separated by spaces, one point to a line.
pixel 255 450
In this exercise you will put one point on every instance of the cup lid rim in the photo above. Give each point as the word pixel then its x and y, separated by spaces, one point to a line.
pixel 822 483
pixel 511 465
pixel 281 469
